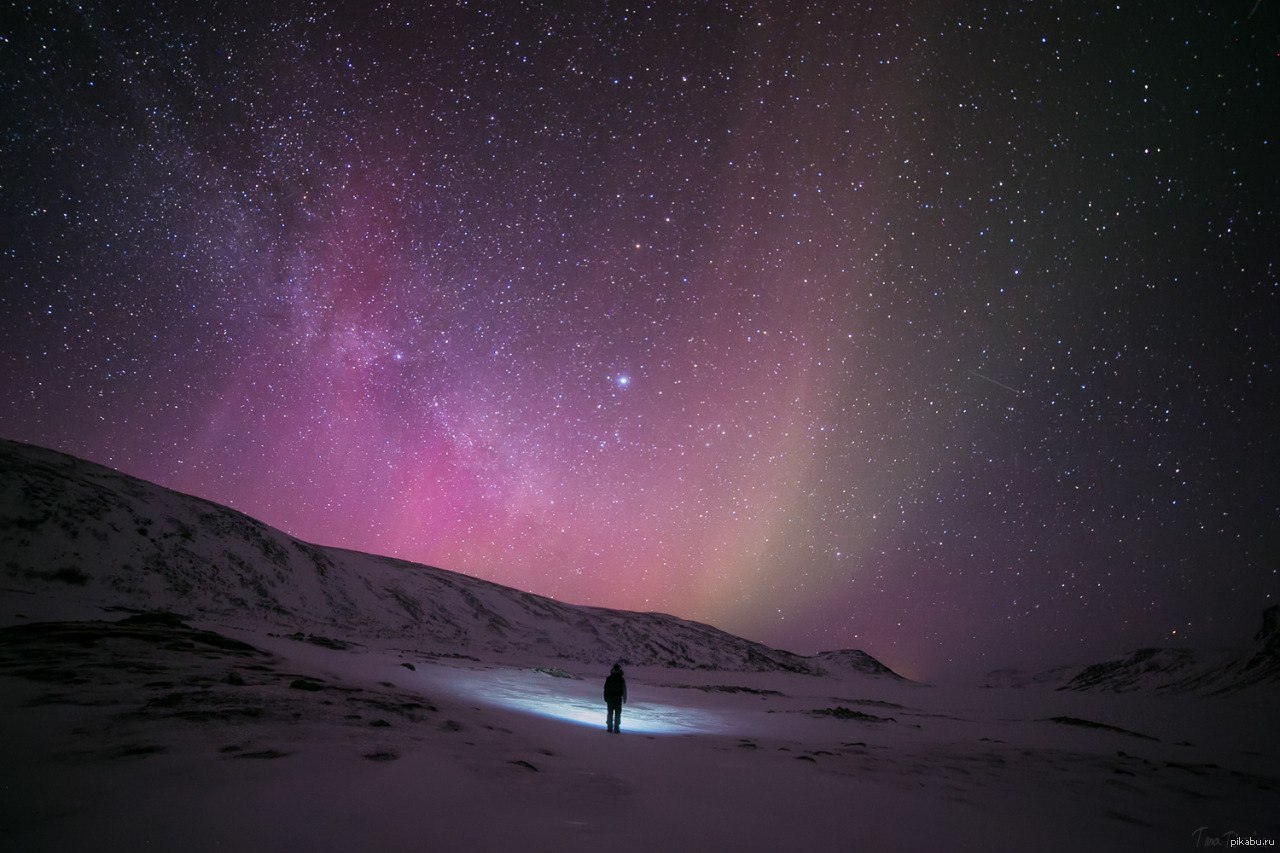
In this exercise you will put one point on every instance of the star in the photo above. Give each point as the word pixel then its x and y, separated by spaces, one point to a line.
pixel 879 322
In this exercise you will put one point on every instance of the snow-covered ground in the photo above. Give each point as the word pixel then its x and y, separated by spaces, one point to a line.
pixel 317 699
pixel 120 742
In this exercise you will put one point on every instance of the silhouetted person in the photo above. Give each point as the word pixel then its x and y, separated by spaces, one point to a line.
pixel 615 694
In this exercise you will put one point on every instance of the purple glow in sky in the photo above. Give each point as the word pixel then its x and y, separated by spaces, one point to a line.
pixel 943 331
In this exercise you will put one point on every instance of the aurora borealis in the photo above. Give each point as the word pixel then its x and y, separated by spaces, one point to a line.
pixel 942 330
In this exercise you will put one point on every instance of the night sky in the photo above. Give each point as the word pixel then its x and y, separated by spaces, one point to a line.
pixel 943 330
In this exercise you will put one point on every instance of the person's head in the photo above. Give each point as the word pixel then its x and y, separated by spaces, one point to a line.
pixel 617 669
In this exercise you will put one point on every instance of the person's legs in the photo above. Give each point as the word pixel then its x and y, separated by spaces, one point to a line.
pixel 617 718
pixel 611 717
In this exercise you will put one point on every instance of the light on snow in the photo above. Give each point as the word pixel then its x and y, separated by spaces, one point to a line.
pixel 579 703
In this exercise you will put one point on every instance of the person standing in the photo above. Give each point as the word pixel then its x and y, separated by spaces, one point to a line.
pixel 615 696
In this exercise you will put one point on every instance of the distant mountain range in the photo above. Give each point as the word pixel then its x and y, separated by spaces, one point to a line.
pixel 1167 670
pixel 75 535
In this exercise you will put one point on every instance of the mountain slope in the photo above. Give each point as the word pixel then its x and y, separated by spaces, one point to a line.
pixel 1189 670
pixel 1167 670
pixel 74 533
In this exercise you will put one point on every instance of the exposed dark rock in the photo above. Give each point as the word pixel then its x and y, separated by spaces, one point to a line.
pixel 263 753
pixel 842 713
pixel 1078 722
pixel 306 684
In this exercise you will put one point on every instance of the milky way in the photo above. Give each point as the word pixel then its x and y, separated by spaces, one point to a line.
pixel 941 330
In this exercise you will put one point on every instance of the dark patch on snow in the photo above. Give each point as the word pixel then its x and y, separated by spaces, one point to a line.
pixel 319 640
pixel 155 617
pixel 842 713
pixel 870 703
pixel 728 688
pixel 1193 769
pixel 264 754
pixel 306 684
pixel 162 629
pixel 1079 722
pixel 68 575
pixel 136 750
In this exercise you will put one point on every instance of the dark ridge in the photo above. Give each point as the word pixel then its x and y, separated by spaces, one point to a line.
pixel 1090 724
pixel 842 713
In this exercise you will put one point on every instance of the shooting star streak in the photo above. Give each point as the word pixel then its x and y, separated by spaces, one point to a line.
pixel 992 381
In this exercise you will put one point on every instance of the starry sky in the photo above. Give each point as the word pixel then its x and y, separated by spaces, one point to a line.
pixel 945 330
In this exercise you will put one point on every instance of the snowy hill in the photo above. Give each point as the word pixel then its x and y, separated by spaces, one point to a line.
pixel 1167 670
pixel 322 699
pixel 1054 677
pixel 1190 670
pixel 852 660
pixel 78 537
